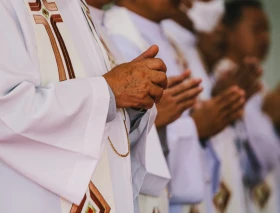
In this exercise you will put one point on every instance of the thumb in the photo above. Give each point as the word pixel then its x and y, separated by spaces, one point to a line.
pixel 149 53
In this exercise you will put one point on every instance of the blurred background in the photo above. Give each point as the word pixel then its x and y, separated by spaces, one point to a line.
pixel 272 71
pixel 272 74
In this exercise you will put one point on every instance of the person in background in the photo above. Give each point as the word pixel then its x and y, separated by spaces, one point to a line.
pixel 248 35
pixel 180 96
pixel 200 38
pixel 136 24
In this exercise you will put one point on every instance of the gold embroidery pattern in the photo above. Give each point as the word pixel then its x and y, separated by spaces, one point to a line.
pixel 128 141
pixel 261 194
pixel 111 56
pixel 194 209
pixel 222 198
pixel 156 210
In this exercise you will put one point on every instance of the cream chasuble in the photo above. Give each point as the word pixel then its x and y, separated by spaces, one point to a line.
pixel 62 44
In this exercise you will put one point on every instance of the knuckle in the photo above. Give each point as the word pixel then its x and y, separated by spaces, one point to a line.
pixel 160 62
pixel 142 95
pixel 136 105
pixel 161 91
pixel 165 79
pixel 149 105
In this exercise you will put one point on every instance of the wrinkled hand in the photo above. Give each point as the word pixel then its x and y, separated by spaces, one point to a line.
pixel 180 95
pixel 271 106
pixel 214 115
pixel 140 83
pixel 247 77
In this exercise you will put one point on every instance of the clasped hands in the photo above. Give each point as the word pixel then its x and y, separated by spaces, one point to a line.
pixel 139 83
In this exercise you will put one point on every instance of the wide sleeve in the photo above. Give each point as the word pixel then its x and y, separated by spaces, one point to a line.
pixel 138 136
pixel 52 135
pixel 185 162
pixel 262 139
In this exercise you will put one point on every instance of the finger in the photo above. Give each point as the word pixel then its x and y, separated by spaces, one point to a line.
pixel 174 80
pixel 236 106
pixel 147 103
pixel 156 93
pixel 226 94
pixel 186 4
pixel 149 53
pixel 249 72
pixel 188 94
pixel 224 81
pixel 187 104
pixel 256 87
pixel 158 78
pixel 231 100
pixel 185 85
pixel 234 116
pixel 156 64
pixel 244 71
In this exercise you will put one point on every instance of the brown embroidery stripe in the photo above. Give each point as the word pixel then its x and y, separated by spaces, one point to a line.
pixel 58 19
pixel 61 71
pixel 78 209
pixel 98 199
pixel 35 6
pixel 51 6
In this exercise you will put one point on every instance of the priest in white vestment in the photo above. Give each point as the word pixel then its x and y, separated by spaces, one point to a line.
pixel 65 146
pixel 205 17
pixel 135 34
pixel 153 160
pixel 127 30
pixel 246 21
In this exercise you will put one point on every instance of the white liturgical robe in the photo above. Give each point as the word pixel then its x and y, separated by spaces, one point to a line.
pixel 54 148
pixel 265 145
pixel 149 168
pixel 133 34
pixel 185 42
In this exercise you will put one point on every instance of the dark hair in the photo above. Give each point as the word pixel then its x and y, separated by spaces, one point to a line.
pixel 234 9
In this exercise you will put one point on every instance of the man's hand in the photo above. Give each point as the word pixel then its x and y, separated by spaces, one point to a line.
pixel 246 77
pixel 214 115
pixel 180 95
pixel 140 83
pixel 271 106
